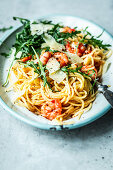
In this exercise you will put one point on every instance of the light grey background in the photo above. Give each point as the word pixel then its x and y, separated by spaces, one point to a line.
pixel 26 148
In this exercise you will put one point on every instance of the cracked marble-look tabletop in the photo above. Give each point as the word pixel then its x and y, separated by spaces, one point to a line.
pixel 23 147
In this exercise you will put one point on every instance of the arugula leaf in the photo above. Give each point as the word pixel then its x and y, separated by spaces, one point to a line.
pixel 5 29
pixel 46 22
pixel 61 37
pixel 94 41
pixel 22 20
pixel 85 29
pixel 42 69
pixel 31 64
pixel 5 54
pixel 67 70
pixel 6 82
pixel 29 44
pixel 100 34
pixel 24 39
pixel 77 70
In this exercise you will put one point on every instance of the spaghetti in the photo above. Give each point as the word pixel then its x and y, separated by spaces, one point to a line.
pixel 56 78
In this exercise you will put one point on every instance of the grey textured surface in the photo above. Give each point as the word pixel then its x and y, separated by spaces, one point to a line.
pixel 26 148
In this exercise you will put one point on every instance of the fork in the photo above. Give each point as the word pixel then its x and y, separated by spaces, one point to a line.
pixel 107 93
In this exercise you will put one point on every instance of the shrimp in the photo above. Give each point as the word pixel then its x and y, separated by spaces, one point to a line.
pixel 90 70
pixel 67 30
pixel 51 109
pixel 45 57
pixel 62 58
pixel 26 58
pixel 80 50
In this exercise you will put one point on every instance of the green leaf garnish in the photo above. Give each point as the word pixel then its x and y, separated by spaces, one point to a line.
pixel 6 82
pixel 22 20
pixel 5 29
pixel 78 70
pixel 94 41
pixel 5 54
pixel 42 69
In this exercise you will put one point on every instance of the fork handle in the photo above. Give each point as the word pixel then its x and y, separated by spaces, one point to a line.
pixel 109 96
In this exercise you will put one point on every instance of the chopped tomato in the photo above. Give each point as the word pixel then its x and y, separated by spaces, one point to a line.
pixel 51 109
pixel 70 30
pixel 73 30
pixel 67 30
pixel 90 70
pixel 68 47
pixel 81 49
pixel 26 58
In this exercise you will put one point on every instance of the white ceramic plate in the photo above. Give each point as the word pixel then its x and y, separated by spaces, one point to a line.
pixel 100 105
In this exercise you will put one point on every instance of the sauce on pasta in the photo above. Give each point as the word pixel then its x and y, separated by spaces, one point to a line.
pixel 55 69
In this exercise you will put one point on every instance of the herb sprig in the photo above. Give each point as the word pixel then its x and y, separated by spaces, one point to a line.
pixel 5 29
pixel 22 20
pixel 42 69
pixel 38 68
pixel 78 70
pixel 29 44
pixel 6 82
pixel 61 37
pixel 93 41
pixel 24 39
pixel 33 65
pixel 5 54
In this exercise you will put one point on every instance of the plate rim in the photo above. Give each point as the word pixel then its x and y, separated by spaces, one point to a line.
pixel 50 126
